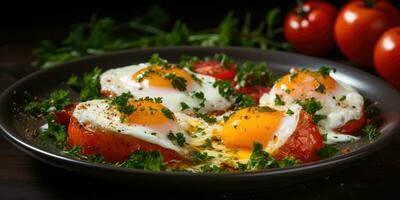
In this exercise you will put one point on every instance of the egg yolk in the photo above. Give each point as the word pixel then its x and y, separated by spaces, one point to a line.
pixel 305 84
pixel 149 114
pixel 249 125
pixel 155 75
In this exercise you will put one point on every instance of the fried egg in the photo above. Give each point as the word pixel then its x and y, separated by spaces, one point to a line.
pixel 340 102
pixel 263 125
pixel 147 122
pixel 145 80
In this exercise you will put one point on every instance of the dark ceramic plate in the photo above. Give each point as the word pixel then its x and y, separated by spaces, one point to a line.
pixel 17 128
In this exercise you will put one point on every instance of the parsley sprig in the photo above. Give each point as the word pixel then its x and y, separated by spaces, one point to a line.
pixel 101 35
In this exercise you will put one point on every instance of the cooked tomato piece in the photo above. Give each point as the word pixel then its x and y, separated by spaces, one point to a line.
pixel 352 127
pixel 255 92
pixel 303 143
pixel 63 117
pixel 112 146
pixel 215 69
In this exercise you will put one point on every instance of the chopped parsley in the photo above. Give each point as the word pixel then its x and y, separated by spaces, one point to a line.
pixel 311 106
pixel 199 95
pixel 327 151
pixel 278 101
pixel 72 82
pixel 289 112
pixel 288 162
pixel 320 88
pixel 342 98
pixel 201 157
pixel 371 131
pixel 250 74
pixel 242 167
pixel 147 160
pixel 207 143
pixel 188 61
pixel 54 130
pixel 212 168
pixel 57 100
pixel 154 100
pixel 96 158
pixel 325 71
pixel 265 109
pixel 184 106
pixel 168 113
pixel 293 76
pixel 177 82
pixel 206 118
pixel 259 159
pixel 121 103
pixel 75 151
pixel 244 101
pixel 91 85
pixel 225 88
pixel 156 60
pixel 178 138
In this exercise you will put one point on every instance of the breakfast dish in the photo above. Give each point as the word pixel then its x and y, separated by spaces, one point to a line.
pixel 204 115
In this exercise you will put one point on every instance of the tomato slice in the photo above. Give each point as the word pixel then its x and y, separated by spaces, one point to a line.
pixel 215 69
pixel 303 143
pixel 352 127
pixel 63 117
pixel 114 147
pixel 255 92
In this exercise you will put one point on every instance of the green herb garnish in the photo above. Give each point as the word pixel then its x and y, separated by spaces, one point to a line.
pixel 178 138
pixel 327 151
pixel 168 113
pixel 371 131
pixel 278 101
pixel 91 85
pixel 148 160
pixel 325 71
pixel 177 82
pixel 184 106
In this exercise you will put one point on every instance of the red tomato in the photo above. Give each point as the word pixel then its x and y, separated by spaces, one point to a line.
pixel 112 146
pixel 309 28
pixel 387 56
pixel 303 143
pixel 254 92
pixel 63 117
pixel 215 69
pixel 358 26
pixel 352 127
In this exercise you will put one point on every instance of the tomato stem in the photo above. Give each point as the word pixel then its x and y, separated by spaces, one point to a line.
pixel 300 8
pixel 369 3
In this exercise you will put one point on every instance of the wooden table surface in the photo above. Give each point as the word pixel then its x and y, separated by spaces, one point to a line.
pixel 22 177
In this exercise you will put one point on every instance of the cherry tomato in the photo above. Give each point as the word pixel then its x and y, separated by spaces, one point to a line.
pixel 309 27
pixel 303 143
pixel 215 69
pixel 113 147
pixel 352 127
pixel 359 25
pixel 254 92
pixel 387 56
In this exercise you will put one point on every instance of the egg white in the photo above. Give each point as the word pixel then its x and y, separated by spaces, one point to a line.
pixel 338 112
pixel 120 80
